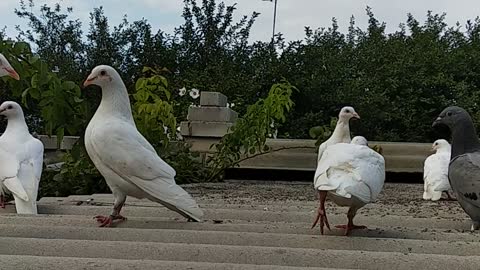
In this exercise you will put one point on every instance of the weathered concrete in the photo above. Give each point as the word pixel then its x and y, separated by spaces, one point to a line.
pixel 69 263
pixel 214 99
pixel 212 114
pixel 247 226
pixel 204 129
pixel 290 154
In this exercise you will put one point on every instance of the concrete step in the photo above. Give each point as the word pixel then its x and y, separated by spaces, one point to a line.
pixel 421 233
pixel 246 226
pixel 450 209
pixel 262 216
pixel 234 254
pixel 460 248
pixel 71 263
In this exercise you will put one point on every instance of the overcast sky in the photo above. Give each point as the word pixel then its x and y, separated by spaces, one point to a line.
pixel 292 15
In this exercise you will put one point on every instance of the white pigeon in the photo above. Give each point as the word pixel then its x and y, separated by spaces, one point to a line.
pixel 352 175
pixel 435 171
pixel 341 134
pixel 127 161
pixel 21 158
pixel 5 70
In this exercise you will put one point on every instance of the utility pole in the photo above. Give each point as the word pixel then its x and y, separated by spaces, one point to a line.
pixel 274 17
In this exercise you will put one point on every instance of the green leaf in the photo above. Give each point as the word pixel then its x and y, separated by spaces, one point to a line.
pixel 34 81
pixel 60 133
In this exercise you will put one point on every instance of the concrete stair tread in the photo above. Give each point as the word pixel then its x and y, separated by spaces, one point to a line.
pixel 243 239
pixel 71 263
pixel 234 254
pixel 396 232
pixel 246 226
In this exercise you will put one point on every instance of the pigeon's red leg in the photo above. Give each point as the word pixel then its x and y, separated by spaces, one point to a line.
pixel 107 221
pixel 449 198
pixel 350 226
pixel 2 201
pixel 321 213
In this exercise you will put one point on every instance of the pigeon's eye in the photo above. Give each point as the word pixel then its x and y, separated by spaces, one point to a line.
pixel 347 111
pixel 103 72
pixel 449 113
pixel 10 107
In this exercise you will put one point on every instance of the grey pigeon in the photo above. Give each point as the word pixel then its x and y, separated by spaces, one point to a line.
pixel 464 168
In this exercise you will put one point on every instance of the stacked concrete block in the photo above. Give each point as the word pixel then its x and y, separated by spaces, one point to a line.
pixel 212 119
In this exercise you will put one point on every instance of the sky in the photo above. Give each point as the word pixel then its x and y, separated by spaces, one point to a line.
pixel 292 15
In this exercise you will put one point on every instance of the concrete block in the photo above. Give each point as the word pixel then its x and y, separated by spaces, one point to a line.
pixel 51 142
pixel 212 114
pixel 204 129
pixel 214 99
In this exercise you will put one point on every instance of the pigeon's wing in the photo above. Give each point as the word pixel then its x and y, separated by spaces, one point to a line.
pixel 35 156
pixel 29 175
pixel 349 169
pixel 369 167
pixel 9 168
pixel 439 172
pixel 464 175
pixel 120 147
pixel 321 149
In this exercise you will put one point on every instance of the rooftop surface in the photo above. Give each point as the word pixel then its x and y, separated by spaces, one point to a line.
pixel 247 226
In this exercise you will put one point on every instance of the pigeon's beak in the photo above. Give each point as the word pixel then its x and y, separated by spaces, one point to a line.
pixel 437 121
pixel 356 116
pixel 12 73
pixel 89 80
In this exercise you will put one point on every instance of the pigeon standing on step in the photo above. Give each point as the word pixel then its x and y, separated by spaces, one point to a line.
pixel 22 170
pixel 127 161
pixel 5 70
pixel 435 171
pixel 341 134
pixel 464 168
pixel 352 175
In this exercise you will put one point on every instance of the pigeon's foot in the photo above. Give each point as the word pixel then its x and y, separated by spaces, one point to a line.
pixel 349 228
pixel 322 217
pixel 2 201
pixel 449 197
pixel 475 226
pixel 107 221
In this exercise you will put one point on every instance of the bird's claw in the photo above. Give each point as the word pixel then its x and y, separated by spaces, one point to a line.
pixel 107 221
pixel 322 217
pixel 2 201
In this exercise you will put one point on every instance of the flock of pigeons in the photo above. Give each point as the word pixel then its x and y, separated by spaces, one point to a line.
pixel 349 172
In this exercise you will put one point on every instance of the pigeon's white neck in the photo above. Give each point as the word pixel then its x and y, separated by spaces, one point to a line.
pixel 115 101
pixel 16 125
pixel 444 149
pixel 342 129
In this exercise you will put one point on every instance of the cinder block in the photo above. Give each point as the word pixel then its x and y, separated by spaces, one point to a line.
pixel 212 114
pixel 214 99
pixel 204 129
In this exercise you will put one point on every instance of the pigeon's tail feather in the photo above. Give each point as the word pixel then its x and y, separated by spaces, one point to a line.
pixel 172 196
pixel 14 185
pixel 25 207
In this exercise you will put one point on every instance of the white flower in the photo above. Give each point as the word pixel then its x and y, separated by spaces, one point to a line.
pixel 228 105
pixel 194 93
pixel 178 128
pixel 165 129
pixel 232 104
pixel 272 124
pixel 275 134
pixel 182 91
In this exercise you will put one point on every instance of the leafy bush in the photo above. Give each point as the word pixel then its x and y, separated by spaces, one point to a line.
pixel 250 132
